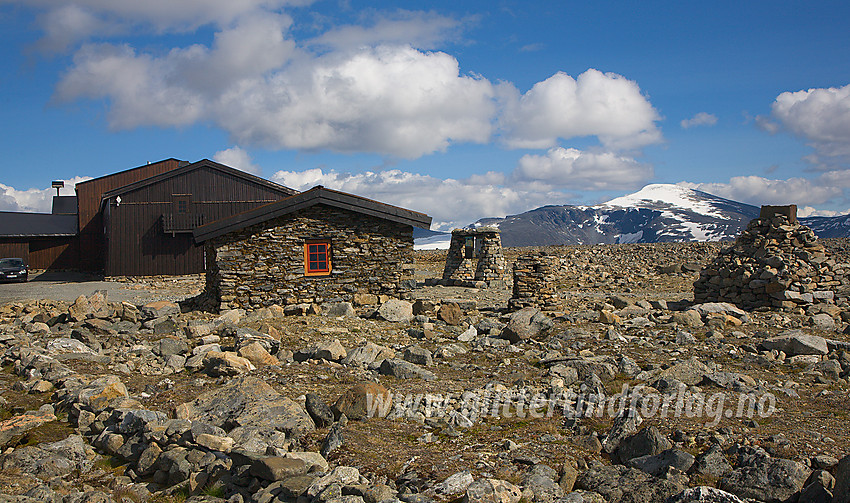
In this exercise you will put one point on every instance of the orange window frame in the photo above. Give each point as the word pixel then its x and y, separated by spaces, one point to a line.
pixel 317 258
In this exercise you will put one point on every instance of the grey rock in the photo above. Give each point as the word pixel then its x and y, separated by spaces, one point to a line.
pixel 545 489
pixel 455 483
pixel 704 494
pixel 647 442
pixel 248 401
pixel 492 491
pixel 405 370
pixel 823 321
pixel 368 354
pixel 318 410
pixel 169 346
pixel 712 462
pixel 418 355
pixel 395 310
pixel 275 468
pixel 333 441
pixel 771 480
pixel 795 342
pixel 622 484
pixel 49 459
pixel 658 464
pixel 841 494
pixel 623 426
pixel 525 324
pixel 338 309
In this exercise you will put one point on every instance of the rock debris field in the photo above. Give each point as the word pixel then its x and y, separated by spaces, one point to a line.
pixel 629 392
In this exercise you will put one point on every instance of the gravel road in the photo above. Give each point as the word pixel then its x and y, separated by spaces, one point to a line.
pixel 70 285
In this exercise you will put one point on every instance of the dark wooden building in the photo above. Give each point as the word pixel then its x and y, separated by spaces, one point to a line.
pixel 137 222
pixel 148 224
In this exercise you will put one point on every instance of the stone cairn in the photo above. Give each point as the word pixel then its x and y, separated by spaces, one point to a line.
pixel 534 281
pixel 475 259
pixel 776 263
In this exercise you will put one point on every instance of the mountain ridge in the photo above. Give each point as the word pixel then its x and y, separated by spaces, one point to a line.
pixel 656 213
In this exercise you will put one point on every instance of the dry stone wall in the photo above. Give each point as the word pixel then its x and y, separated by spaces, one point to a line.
pixel 263 264
pixel 534 277
pixel 776 262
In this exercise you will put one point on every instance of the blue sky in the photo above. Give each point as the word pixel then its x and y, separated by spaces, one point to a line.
pixel 460 109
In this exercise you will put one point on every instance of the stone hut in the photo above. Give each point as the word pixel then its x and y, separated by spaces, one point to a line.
pixel 317 246
pixel 776 262
pixel 475 258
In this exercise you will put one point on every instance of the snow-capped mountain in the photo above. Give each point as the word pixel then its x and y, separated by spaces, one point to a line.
pixel 656 213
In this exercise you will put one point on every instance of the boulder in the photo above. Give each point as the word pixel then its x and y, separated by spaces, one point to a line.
pixel 704 494
pixel 525 324
pixel 622 484
pixel 772 480
pixel 367 354
pixel 795 343
pixel 841 494
pixel 248 401
pixel 364 400
pixel 338 309
pixel 405 370
pixel 274 468
pixel 257 355
pixel 658 464
pixel 395 310
pixel 226 363
pixel 492 491
pixel 451 313
pixel 318 410
pixel 647 442
pixel 50 460
pixel 16 426
pixel 418 356
pixel 159 309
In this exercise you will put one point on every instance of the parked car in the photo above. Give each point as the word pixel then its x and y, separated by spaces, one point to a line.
pixel 13 269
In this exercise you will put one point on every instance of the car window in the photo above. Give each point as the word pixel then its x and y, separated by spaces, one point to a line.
pixel 11 262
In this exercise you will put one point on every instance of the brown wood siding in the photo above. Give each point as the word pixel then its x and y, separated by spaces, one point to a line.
pixel 14 248
pixel 138 245
pixel 91 239
pixel 54 253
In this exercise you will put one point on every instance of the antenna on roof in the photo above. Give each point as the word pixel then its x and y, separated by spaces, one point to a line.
pixel 58 184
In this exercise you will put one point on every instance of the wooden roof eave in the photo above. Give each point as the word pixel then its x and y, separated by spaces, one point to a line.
pixel 312 197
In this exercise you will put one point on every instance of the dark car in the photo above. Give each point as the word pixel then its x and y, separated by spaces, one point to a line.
pixel 13 269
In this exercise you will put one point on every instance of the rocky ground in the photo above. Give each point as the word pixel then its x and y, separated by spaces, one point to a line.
pixel 628 393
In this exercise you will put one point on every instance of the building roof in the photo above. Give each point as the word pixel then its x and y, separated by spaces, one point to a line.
pixel 64 205
pixel 19 224
pixel 93 180
pixel 312 197
pixel 203 163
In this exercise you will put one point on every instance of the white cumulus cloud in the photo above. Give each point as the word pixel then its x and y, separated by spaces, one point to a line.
pixel 605 105
pixel 758 190
pixel 577 170
pixel 819 116
pixel 33 199
pixel 700 119
pixel 451 203
pixel 236 157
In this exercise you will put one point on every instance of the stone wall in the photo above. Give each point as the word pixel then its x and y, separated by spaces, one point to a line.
pixel 776 262
pixel 263 264
pixel 485 264
pixel 534 276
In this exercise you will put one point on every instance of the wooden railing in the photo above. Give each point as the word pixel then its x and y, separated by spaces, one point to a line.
pixel 181 222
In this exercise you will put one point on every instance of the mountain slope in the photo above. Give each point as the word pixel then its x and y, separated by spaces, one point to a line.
pixel 656 213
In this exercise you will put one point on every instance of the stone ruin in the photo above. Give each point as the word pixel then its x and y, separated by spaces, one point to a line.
pixel 534 282
pixel 775 263
pixel 475 259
